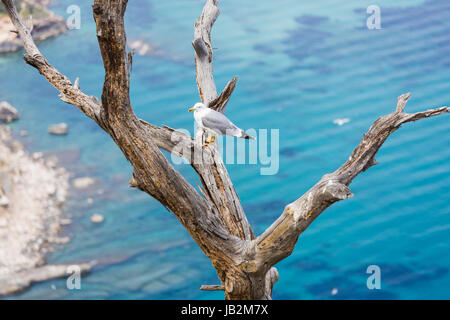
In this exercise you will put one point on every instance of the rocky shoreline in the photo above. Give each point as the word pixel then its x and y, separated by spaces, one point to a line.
pixel 32 193
pixel 44 24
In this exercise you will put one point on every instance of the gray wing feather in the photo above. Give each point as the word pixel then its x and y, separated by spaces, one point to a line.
pixel 216 121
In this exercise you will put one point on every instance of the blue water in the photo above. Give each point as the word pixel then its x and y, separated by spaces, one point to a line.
pixel 301 64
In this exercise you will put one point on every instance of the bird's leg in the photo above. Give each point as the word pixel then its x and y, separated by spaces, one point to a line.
pixel 209 141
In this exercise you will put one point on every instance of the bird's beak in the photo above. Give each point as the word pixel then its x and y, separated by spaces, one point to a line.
pixel 191 109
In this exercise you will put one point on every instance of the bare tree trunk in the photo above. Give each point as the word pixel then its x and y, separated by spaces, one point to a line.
pixel 215 218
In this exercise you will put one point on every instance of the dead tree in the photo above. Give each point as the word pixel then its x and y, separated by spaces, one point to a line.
pixel 215 218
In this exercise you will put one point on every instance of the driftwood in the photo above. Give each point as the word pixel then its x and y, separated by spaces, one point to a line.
pixel 215 218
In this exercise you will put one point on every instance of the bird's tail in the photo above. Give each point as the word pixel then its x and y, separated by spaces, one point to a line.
pixel 246 136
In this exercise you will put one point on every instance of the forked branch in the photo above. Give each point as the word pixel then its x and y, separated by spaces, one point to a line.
pixel 278 241
pixel 215 219
pixel 69 93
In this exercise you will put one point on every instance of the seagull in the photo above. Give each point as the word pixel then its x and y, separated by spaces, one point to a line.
pixel 216 123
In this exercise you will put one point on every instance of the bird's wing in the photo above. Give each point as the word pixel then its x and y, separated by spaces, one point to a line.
pixel 217 122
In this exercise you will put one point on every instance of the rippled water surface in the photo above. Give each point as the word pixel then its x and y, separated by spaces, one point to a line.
pixel 301 64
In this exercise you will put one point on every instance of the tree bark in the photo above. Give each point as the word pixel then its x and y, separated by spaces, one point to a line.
pixel 215 218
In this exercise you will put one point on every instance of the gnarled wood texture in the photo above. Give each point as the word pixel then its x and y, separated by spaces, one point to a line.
pixel 215 218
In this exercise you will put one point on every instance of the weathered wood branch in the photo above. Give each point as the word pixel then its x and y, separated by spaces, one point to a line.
pixel 204 60
pixel 278 241
pixel 69 93
pixel 112 41
pixel 217 186
pixel 204 51
pixel 212 287
pixel 220 103
pixel 212 172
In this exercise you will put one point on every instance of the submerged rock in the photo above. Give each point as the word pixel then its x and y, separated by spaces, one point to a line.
pixel 341 122
pixel 65 222
pixel 144 49
pixel 84 182
pixel 58 129
pixel 97 218
pixel 7 112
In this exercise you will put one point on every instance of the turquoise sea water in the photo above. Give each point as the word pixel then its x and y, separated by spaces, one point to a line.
pixel 301 64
